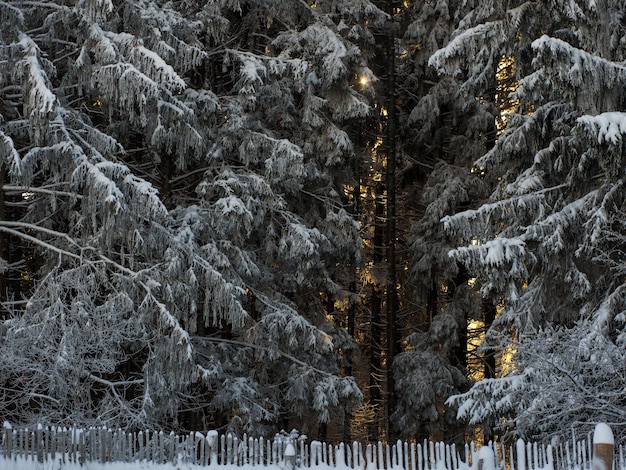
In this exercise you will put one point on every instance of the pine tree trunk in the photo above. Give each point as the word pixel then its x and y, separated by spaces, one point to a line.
pixel 459 353
pixel 489 309
pixel 3 242
pixel 167 171
pixel 392 294
pixel 376 301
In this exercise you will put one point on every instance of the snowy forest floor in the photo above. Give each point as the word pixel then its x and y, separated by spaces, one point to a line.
pixel 28 464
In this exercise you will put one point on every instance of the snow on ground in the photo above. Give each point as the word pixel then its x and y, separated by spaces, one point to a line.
pixel 24 464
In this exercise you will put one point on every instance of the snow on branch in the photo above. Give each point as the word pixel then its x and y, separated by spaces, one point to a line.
pixel 525 136
pixel 184 56
pixel 41 99
pixel 167 321
pixel 607 128
pixel 461 224
pixel 600 217
pixel 128 88
pixel 175 132
pixel 572 212
pixel 10 15
pixel 112 194
pixel 103 49
pixel 283 325
pixel 582 63
pixel 582 77
pixel 286 161
pixel 21 229
pixel 473 43
pixel 232 207
pixel 504 392
pixel 206 275
pixel 91 138
pixel 102 187
pixel 493 253
pixel 156 68
pixel 62 154
pixel 97 10
pixel 9 155
pixel 222 296
pixel 302 245
pixel 323 45
pixel 348 105
pixel 252 73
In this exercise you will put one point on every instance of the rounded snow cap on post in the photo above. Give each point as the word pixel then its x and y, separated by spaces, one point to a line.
pixel 603 434
pixel 290 457
pixel 290 450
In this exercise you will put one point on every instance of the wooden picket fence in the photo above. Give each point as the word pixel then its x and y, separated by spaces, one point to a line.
pixel 211 449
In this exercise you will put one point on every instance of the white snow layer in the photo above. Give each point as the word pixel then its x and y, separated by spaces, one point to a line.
pixel 28 464
pixel 603 434
pixel 610 126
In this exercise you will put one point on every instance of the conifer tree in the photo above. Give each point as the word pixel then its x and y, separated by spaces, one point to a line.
pixel 441 132
pixel 548 242
pixel 179 170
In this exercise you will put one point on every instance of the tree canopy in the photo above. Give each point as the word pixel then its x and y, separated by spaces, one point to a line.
pixel 265 214
pixel 174 178
pixel 548 241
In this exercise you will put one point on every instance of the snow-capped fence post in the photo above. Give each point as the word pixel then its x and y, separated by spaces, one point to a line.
pixel 212 441
pixel 521 454
pixel 486 459
pixel 603 446
pixel 39 444
pixel 8 438
pixel 290 457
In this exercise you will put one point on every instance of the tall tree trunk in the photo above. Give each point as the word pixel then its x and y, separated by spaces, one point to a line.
pixel 499 84
pixel 489 359
pixel 459 353
pixel 3 242
pixel 167 173
pixel 352 309
pixel 392 294
pixel 376 302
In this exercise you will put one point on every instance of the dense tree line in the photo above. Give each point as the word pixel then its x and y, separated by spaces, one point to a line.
pixel 369 219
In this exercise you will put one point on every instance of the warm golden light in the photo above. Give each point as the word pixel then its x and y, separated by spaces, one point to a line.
pixel 475 336
pixel 363 80
pixel 505 85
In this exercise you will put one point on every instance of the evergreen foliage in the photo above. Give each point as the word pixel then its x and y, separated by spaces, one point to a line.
pixel 186 187
pixel 176 169
pixel 548 237
pixel 444 130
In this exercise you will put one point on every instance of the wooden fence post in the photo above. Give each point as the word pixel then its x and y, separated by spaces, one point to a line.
pixel 212 438
pixel 290 457
pixel 8 437
pixel 603 446
pixel 521 454
pixel 42 451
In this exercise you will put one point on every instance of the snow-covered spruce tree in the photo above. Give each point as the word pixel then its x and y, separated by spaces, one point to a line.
pixel 550 240
pixel 310 114
pixel 178 171
pixel 442 133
